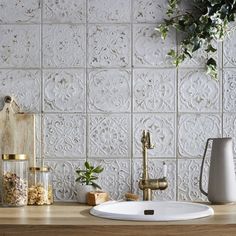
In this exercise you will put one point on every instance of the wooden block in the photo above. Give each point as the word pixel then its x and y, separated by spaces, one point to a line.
pixel 131 197
pixel 96 198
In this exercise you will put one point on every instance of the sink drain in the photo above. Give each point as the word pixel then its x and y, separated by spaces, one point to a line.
pixel 148 212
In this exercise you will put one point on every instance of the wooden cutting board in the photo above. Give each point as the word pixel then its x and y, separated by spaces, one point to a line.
pixel 17 131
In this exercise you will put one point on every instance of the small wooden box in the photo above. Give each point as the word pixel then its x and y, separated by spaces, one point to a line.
pixel 96 198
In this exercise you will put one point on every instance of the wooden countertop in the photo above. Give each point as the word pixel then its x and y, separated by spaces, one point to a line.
pixel 74 219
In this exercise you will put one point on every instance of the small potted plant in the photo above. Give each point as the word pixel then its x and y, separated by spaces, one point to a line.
pixel 85 181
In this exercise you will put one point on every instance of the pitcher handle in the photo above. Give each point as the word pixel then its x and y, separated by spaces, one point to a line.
pixel 202 166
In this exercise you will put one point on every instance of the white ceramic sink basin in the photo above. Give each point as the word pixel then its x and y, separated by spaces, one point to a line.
pixel 152 210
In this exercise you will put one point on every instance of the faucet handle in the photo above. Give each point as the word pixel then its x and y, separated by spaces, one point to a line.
pixel 164 170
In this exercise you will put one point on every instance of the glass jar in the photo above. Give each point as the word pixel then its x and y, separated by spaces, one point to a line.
pixel 40 186
pixel 14 180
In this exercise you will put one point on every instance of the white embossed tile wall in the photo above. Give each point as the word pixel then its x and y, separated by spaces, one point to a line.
pixel 96 74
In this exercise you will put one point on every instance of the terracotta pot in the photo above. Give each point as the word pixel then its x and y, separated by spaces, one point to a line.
pixel 82 190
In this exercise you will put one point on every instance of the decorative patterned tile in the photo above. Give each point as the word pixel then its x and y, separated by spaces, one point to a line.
pixel 162 129
pixel 72 11
pixel 109 45
pixel 63 178
pixel 149 49
pixel 19 46
pixel 63 45
pixel 22 11
pixel 198 92
pixel 229 124
pixel 154 90
pixel 229 58
pixel 24 86
pixel 64 90
pixel 64 136
pixel 155 171
pixel 109 135
pixel 188 180
pixel 194 130
pixel 109 11
pixel 149 11
pixel 109 90
pixel 229 82
pixel 116 177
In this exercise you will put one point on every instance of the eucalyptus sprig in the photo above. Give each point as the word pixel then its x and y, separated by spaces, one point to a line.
pixel 202 25
pixel 87 176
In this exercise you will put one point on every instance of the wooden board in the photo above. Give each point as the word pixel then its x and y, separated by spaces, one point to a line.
pixel 17 131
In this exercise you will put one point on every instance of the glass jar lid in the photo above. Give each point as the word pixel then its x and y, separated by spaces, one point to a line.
pixel 40 169
pixel 20 157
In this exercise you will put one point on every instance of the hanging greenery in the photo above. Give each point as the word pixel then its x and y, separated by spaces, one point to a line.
pixel 202 26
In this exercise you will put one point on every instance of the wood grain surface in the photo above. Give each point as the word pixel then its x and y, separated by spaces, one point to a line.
pixel 74 219
pixel 17 132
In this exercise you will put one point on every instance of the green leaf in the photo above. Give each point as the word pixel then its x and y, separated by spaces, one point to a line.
pixel 86 164
pixel 98 169
pixel 163 29
pixel 212 68
pixel 95 185
pixel 172 53
pixel 210 48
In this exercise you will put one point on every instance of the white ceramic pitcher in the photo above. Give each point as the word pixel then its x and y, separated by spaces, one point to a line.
pixel 222 183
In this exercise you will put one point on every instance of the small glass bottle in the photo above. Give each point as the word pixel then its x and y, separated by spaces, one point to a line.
pixel 14 180
pixel 40 186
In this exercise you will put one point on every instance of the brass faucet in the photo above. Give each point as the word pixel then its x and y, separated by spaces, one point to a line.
pixel 146 184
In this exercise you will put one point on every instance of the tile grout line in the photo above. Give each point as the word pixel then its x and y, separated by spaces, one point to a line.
pixel 42 117
pixel 132 99
pixel 176 125
pixel 222 89
pixel 86 82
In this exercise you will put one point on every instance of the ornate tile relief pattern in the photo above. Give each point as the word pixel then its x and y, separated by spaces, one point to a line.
pixel 72 11
pixel 24 86
pixel 154 90
pixel 155 171
pixel 188 180
pixel 149 49
pixel 64 136
pixel 64 90
pixel 229 124
pixel 109 90
pixel 149 11
pixel 109 45
pixel 63 178
pixel 23 11
pixel 198 92
pixel 63 45
pixel 116 177
pixel 109 11
pixel 162 128
pixel 194 130
pixel 109 136
pixel 19 46
pixel 229 81
pixel 229 49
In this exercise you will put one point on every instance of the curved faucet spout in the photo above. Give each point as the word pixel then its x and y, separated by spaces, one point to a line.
pixel 146 184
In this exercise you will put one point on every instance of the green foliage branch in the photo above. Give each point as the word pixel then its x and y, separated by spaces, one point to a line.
pixel 202 26
pixel 88 175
